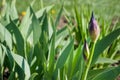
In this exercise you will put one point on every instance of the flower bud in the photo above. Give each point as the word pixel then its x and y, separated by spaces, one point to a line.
pixel 23 13
pixel 94 29
pixel 86 51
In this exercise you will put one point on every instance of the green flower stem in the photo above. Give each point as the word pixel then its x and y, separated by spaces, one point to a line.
pixel 84 77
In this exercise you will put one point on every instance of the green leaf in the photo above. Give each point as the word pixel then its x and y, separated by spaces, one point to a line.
pixel 19 41
pixel 104 43
pixel 13 12
pixel 108 74
pixel 0 55
pixel 93 73
pixel 61 34
pixel 9 56
pixel 78 62
pixel 20 72
pixel 36 27
pixel 68 64
pixel 78 29
pixel 12 76
pixel 38 59
pixel 51 56
pixel 76 59
pixel 33 76
pixel 50 28
pixel 34 30
pixel 5 36
pixel 44 33
pixel 58 16
pixel 25 23
pixel 41 11
pixel 64 55
pixel 105 60
pixel 2 33
pixel 22 63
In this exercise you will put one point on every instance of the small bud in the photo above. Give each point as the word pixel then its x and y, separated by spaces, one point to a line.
pixel 23 13
pixel 53 11
pixel 86 51
pixel 94 29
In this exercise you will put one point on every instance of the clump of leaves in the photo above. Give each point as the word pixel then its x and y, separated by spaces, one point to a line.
pixel 32 48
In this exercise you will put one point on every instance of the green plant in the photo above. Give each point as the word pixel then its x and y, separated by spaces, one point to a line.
pixel 32 48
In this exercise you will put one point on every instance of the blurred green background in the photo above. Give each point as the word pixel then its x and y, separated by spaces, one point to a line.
pixel 105 8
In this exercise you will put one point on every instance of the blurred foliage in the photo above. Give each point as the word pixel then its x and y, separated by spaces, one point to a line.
pixel 43 40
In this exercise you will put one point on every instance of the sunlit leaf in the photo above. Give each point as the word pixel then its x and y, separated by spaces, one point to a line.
pixel 5 36
pixel 33 76
pixel 25 24
pixel 105 60
pixel 13 11
pixel 22 63
pixel 41 11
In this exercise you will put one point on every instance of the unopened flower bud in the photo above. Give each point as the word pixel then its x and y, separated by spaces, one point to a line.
pixel 86 51
pixel 94 29
pixel 23 13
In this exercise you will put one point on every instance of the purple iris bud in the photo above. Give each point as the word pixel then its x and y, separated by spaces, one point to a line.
pixel 94 29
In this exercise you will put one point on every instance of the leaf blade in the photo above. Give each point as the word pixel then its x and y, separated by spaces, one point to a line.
pixel 110 74
pixel 104 43
pixel 64 55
